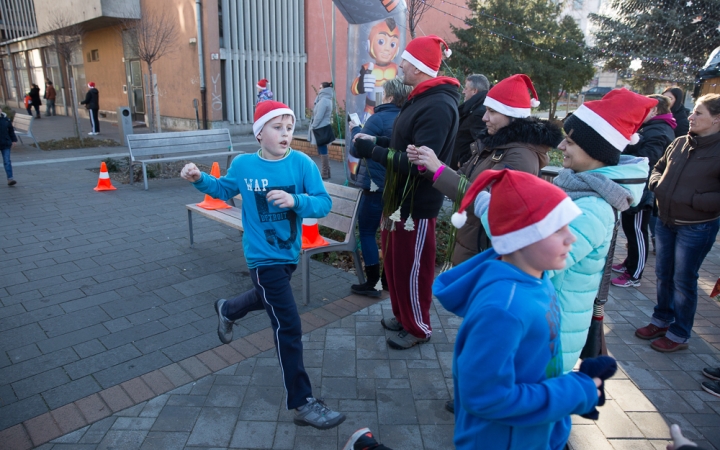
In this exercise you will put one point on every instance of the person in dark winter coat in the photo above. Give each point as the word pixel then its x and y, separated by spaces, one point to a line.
pixel 429 117
pixel 471 118
pixel 7 137
pixel 35 101
pixel 513 140
pixel 92 103
pixel 371 178
pixel 678 110
pixel 656 135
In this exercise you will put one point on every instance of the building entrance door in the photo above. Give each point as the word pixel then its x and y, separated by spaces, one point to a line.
pixel 136 95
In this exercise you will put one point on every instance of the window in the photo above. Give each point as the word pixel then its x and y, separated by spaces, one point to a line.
pixel 53 73
pixel 78 74
pixel 93 56
pixel 22 75
pixel 9 78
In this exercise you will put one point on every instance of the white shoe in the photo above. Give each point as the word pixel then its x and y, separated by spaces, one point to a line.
pixel 91 134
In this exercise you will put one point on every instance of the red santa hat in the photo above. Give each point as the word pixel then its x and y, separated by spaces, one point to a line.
pixel 424 53
pixel 262 84
pixel 91 84
pixel 268 110
pixel 524 208
pixel 510 96
pixel 603 128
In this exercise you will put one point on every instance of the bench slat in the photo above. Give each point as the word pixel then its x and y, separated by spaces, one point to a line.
pixel 22 123
pixel 336 222
pixel 180 134
pixel 190 140
pixel 191 149
pixel 186 156
pixel 343 207
pixel 335 190
pixel 227 217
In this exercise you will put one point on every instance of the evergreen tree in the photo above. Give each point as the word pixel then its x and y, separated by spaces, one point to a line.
pixel 672 38
pixel 524 36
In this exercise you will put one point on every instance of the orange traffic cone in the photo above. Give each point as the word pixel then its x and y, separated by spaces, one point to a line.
pixel 311 235
pixel 213 203
pixel 104 183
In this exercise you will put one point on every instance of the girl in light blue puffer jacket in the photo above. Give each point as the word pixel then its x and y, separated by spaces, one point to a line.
pixel 600 181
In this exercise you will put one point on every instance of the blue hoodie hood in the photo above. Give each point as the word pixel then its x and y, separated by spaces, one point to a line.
pixel 507 368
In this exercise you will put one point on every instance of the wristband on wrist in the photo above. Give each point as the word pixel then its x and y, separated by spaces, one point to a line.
pixel 438 172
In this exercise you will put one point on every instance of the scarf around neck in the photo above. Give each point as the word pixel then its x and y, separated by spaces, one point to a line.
pixel 593 184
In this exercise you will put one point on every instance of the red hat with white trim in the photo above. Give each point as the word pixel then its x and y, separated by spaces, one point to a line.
pixel 262 84
pixel 603 128
pixel 268 110
pixel 424 53
pixel 524 208
pixel 91 84
pixel 510 97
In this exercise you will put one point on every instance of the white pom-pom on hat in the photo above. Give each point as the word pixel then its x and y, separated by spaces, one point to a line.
pixel 458 219
pixel 534 103
pixel 634 139
pixel 447 52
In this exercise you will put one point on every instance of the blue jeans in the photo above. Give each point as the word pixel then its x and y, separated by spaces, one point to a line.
pixel 681 250
pixel 6 162
pixel 322 149
pixel 369 215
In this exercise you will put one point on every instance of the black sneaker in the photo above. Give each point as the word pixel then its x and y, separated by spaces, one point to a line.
pixel 362 439
pixel 225 326
pixel 316 414
pixel 12 182
pixel 712 387
pixel 712 373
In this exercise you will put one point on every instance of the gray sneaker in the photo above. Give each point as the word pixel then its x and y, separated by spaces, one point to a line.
pixel 391 324
pixel 405 340
pixel 225 326
pixel 316 414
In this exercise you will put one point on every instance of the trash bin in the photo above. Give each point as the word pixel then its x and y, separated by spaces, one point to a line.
pixel 124 123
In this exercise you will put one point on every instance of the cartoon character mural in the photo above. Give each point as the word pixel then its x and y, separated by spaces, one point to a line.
pixel 383 45
pixel 376 38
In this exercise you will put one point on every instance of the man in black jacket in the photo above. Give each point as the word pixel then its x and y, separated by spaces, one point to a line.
pixel 7 137
pixel 471 113
pixel 429 117
pixel 92 103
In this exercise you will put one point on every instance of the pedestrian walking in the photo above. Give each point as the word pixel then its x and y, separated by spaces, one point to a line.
pixel 320 132
pixel 686 183
pixel 92 103
pixel 279 187
pixel 7 137
pixel 411 205
pixel 35 101
pixel 50 96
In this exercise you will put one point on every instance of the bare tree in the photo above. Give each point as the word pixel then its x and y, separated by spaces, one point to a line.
pixel 66 36
pixel 415 11
pixel 151 37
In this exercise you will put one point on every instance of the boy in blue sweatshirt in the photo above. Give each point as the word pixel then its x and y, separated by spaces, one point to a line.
pixel 279 187
pixel 510 391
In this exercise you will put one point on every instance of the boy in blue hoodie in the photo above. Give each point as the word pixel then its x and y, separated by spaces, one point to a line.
pixel 510 391
pixel 279 188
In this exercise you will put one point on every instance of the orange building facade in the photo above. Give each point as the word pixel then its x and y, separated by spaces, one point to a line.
pixel 221 49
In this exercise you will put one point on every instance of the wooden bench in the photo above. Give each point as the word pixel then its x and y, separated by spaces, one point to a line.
pixel 23 127
pixel 159 147
pixel 342 218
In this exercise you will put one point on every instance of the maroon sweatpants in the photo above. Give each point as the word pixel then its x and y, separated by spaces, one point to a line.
pixel 409 264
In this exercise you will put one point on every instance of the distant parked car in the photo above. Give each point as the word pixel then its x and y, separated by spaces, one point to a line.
pixel 596 93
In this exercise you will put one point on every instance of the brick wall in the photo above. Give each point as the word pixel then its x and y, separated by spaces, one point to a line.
pixel 335 150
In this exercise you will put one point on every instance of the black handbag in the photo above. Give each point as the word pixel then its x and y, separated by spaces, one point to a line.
pixel 323 135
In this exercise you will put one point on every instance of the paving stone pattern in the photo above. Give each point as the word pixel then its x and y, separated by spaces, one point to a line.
pixel 107 336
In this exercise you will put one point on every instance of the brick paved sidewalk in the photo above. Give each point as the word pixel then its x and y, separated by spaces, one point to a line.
pixel 100 290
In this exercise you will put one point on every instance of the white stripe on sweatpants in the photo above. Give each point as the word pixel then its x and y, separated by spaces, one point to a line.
pixel 277 339
pixel 92 120
pixel 415 275
pixel 640 244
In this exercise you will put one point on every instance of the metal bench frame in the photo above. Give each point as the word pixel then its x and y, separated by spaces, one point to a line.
pixel 342 218
pixel 154 148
